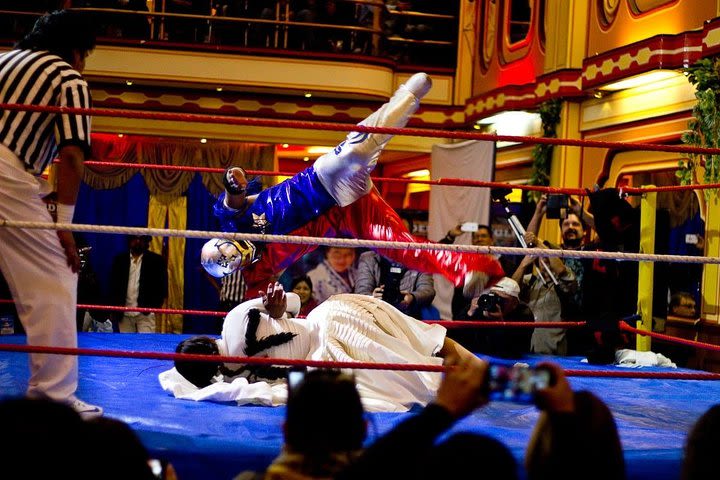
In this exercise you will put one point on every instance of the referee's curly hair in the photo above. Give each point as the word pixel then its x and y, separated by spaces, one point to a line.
pixel 60 33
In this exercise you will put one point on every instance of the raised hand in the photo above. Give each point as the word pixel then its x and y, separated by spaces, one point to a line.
pixel 274 300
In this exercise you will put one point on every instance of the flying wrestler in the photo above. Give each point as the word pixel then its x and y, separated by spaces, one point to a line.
pixel 344 328
pixel 334 197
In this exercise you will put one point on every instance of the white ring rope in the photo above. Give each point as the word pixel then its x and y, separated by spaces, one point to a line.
pixel 350 242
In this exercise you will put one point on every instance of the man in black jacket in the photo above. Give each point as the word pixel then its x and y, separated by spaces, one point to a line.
pixel 138 278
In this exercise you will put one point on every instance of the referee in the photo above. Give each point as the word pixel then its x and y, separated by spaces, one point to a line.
pixel 41 266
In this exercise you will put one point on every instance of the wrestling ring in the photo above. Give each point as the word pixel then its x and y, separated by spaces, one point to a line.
pixel 654 407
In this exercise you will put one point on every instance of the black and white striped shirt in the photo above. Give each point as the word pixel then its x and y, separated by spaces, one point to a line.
pixel 233 287
pixel 40 78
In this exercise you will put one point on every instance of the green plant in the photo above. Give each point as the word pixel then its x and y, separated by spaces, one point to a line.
pixel 542 153
pixel 704 127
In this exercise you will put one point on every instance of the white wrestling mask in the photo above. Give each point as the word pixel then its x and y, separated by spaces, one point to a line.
pixel 220 257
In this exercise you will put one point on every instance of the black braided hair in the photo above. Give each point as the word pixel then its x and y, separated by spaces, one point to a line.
pixel 253 346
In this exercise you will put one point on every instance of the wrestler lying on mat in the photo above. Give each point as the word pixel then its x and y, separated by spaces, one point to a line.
pixel 334 197
pixel 345 327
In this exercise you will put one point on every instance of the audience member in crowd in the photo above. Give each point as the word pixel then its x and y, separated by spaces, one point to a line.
pixel 700 459
pixel 575 435
pixel 123 455
pixel 324 427
pixel 537 277
pixel 407 290
pixel 464 452
pixel 682 304
pixel 303 287
pixel 482 236
pixel 335 274
pixel 138 278
pixel 405 451
pixel 500 303
pixel 37 425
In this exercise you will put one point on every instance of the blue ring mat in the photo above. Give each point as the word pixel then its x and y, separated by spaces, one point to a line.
pixel 206 440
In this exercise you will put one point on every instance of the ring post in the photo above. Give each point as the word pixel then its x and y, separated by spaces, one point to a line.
pixel 648 206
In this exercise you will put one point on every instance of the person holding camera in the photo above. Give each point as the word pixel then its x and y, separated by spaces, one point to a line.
pixel 407 290
pixel 542 281
pixel 500 303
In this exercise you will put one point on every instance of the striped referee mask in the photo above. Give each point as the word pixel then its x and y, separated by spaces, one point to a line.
pixel 220 257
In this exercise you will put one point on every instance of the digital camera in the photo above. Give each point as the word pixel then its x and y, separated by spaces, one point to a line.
pixel 517 383
pixel 490 302
pixel 391 290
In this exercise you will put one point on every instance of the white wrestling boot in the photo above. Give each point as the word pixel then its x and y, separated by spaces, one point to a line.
pixel 345 171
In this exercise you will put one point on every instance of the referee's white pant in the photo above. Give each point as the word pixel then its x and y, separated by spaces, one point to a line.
pixel 41 282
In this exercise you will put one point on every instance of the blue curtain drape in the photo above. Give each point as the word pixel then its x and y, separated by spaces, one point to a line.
pixel 128 206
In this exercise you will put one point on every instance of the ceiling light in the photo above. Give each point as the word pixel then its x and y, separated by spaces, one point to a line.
pixel 306 159
pixel 121 135
pixel 317 150
pixel 418 173
pixel 641 80
pixel 308 95
pixel 128 83
pixel 203 140
pixel 477 126
pixel 219 89
pixel 285 145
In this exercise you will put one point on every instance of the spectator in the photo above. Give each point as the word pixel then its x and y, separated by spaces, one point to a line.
pixel 464 451
pixel 121 455
pixel 336 273
pixel 324 427
pixel 404 451
pixel 682 304
pixel 407 290
pixel 482 236
pixel 500 303
pixel 574 230
pixel 40 266
pixel 303 287
pixel 42 425
pixel 575 435
pixel 536 277
pixel 700 460
pixel 138 278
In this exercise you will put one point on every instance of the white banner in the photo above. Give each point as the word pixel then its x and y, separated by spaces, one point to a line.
pixel 450 206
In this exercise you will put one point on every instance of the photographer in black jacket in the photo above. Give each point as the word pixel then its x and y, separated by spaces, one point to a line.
pixel 500 303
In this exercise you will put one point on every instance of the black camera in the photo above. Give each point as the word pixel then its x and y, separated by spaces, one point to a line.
pixel 557 205
pixel 391 290
pixel 490 302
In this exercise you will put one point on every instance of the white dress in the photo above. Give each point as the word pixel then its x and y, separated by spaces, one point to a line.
pixel 344 328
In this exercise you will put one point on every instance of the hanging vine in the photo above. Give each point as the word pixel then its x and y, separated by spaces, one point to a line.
pixel 704 127
pixel 542 153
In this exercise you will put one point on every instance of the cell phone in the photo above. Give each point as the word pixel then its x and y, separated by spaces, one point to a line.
pixel 691 238
pixel 158 467
pixel 469 227
pixel 295 377
pixel 557 205
pixel 517 383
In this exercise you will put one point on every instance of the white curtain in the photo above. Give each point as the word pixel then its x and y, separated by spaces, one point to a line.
pixel 449 206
